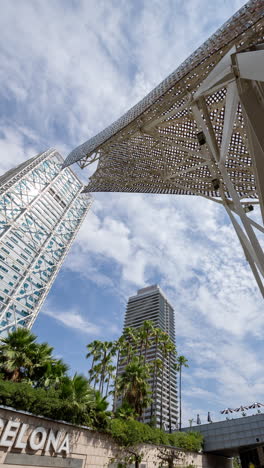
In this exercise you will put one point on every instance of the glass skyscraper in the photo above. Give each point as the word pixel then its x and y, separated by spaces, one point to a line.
pixel 41 209
pixel 151 304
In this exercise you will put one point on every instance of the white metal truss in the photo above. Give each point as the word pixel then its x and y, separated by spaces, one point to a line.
pixel 41 210
pixel 200 132
pixel 237 90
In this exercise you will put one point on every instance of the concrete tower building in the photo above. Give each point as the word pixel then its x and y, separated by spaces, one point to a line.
pixel 151 304
pixel 41 209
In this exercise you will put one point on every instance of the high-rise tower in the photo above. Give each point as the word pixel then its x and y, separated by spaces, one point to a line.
pixel 41 209
pixel 151 304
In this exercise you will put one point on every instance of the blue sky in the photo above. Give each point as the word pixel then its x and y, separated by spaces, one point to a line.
pixel 68 69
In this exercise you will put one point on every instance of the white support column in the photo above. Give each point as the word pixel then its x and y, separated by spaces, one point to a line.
pixel 231 105
pixel 251 95
pixel 244 239
pixel 247 237
pixel 251 65
pixel 243 217
pixel 249 254
pixel 220 76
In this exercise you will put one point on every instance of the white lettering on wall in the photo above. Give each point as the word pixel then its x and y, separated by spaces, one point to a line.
pixel 65 446
pixel 34 443
pixel 53 441
pixel 18 434
pixel 9 433
pixel 19 443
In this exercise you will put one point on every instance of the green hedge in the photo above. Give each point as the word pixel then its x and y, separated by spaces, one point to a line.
pixel 129 432
pixel 48 403
pixel 39 401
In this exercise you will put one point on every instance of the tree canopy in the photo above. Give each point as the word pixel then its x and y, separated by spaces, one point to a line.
pixel 32 379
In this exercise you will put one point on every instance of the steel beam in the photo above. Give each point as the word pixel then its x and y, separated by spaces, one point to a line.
pixel 251 95
pixel 247 237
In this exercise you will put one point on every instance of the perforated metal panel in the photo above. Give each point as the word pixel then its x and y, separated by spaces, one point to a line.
pixel 158 137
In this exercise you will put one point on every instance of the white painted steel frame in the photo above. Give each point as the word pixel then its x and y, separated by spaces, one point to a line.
pixel 253 113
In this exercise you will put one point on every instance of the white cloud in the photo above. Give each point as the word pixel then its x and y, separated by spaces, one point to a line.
pixel 79 67
pixel 189 245
pixel 74 320
pixel 13 146
pixel 68 70
pixel 170 235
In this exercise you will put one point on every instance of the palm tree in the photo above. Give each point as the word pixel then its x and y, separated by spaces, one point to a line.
pixel 107 352
pixel 130 342
pixel 40 360
pixel 110 370
pixel 148 331
pixel 171 353
pixel 168 349
pixel 156 366
pixel 54 374
pixel 126 412
pixel 102 367
pixel 119 346
pixel 99 411
pixel 141 339
pixel 94 349
pixel 164 345
pixel 133 386
pixel 77 390
pixel 95 373
pixel 17 353
pixel 181 361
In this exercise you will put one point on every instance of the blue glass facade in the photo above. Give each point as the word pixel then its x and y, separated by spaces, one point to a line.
pixel 41 209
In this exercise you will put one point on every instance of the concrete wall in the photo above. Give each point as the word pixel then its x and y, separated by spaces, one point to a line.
pixel 87 447
pixel 233 433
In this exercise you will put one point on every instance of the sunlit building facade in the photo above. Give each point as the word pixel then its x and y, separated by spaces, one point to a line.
pixel 41 209
pixel 151 304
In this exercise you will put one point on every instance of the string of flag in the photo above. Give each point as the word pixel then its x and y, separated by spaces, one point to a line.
pixel 241 408
pixel 230 410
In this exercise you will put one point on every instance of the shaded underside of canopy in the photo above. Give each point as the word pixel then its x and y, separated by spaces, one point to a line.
pixel 154 147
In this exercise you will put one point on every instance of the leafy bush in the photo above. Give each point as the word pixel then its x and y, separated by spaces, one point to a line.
pixel 20 396
pixel 39 401
pixel 130 433
pixel 53 404
pixel 191 441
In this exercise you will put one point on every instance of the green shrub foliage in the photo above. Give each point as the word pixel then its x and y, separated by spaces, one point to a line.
pixel 42 402
pixel 130 433
pixel 127 433
pixel 33 380
pixel 191 441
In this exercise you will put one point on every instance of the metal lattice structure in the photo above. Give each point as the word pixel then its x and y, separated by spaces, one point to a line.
pixel 200 132
pixel 41 209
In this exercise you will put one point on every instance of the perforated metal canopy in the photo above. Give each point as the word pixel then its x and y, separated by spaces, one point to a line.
pixel 200 132
pixel 154 146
